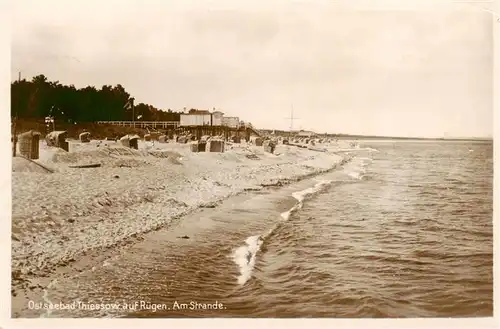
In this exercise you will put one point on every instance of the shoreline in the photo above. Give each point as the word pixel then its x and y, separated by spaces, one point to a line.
pixel 289 165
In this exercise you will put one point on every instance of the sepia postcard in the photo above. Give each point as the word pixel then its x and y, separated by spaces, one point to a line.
pixel 252 160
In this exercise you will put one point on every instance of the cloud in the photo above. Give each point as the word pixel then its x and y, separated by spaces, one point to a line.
pixel 255 60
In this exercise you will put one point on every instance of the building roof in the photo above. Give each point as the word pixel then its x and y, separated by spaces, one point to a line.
pixel 198 112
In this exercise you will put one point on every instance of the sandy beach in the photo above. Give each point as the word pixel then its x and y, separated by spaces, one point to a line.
pixel 66 219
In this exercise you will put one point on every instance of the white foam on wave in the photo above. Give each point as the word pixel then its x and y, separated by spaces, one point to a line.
pixel 369 149
pixel 357 169
pixel 301 195
pixel 286 215
pixel 366 161
pixel 245 256
pixel 356 175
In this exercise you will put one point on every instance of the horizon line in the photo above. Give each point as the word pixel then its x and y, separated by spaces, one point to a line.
pixel 389 137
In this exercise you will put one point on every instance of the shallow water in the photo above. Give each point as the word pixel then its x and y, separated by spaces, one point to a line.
pixel 402 232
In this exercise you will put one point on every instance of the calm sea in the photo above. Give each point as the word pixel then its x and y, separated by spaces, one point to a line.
pixel 402 230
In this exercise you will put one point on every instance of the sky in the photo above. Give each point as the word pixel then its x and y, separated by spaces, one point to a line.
pixel 377 71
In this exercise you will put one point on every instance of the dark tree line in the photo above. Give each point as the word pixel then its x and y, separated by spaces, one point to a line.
pixel 39 98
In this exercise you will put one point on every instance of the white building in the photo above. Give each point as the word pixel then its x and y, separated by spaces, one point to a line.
pixel 217 117
pixel 205 118
pixel 232 122
pixel 198 118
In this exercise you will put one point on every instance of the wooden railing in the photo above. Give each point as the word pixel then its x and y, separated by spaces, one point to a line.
pixel 143 124
pixel 161 124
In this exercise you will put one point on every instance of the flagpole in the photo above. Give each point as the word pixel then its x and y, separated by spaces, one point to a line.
pixel 130 105
pixel 133 111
